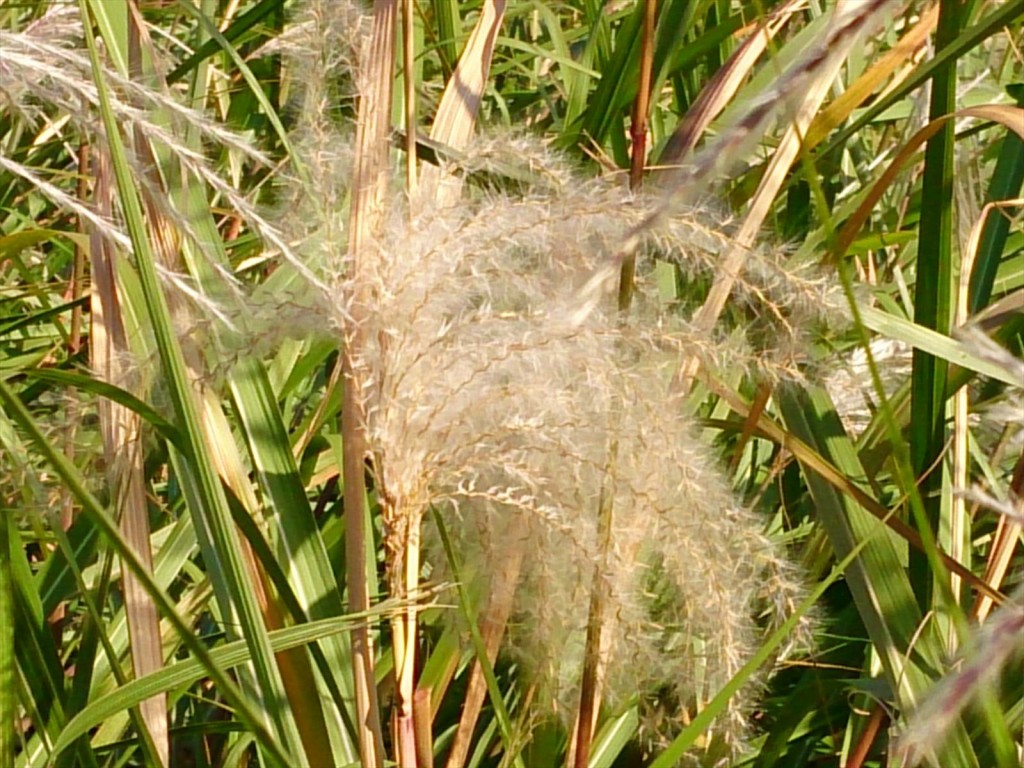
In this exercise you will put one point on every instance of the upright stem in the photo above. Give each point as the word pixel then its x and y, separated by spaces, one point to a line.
pixel 933 301
pixel 76 291
pixel 638 136
pixel 641 107
pixel 406 582
pixel 371 748
pixel 368 197
pixel 590 684
pixel 408 63
pixel 404 568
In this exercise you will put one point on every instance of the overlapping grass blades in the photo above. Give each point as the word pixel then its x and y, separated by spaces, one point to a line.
pixel 268 401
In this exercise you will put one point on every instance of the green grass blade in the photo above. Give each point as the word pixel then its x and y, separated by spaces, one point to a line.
pixel 615 90
pixel 248 21
pixel 613 737
pixel 207 484
pixel 183 674
pixel 933 343
pixel 877 580
pixel 298 541
pixel 254 85
pixel 933 298
pixel 596 48
pixel 8 691
pixel 1005 184
pixel 449 33
pixel 910 655
pixel 100 518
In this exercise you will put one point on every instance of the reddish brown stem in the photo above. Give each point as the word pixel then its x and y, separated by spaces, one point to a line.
pixel 638 135
pixel 641 107
pixel 860 751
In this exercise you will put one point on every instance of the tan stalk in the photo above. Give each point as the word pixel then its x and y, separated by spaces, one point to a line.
pixel 121 433
pixel 456 114
pixel 120 428
pixel 1004 542
pixel 424 719
pixel 78 271
pixel 638 135
pixel 408 65
pixel 408 736
pixel 369 191
pixel 641 107
pixel 403 555
pixel 760 402
pixel 590 682
pixel 74 293
pixel 876 721
pixel 229 15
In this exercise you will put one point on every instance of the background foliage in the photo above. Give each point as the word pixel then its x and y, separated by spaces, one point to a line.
pixel 191 572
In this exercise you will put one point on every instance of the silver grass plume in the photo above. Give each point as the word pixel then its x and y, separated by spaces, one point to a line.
pixel 502 388
pixel 46 79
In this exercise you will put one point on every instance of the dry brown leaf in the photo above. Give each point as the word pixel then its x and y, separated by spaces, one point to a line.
pixel 456 114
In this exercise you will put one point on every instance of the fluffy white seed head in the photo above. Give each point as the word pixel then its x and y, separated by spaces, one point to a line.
pixel 501 386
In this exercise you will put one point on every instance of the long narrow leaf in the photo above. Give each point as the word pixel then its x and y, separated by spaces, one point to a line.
pixel 207 483
pixel 92 509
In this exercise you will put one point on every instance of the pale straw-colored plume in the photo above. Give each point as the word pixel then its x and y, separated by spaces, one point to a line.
pixel 501 387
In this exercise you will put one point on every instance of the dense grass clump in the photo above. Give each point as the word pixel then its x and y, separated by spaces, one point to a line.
pixel 510 384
